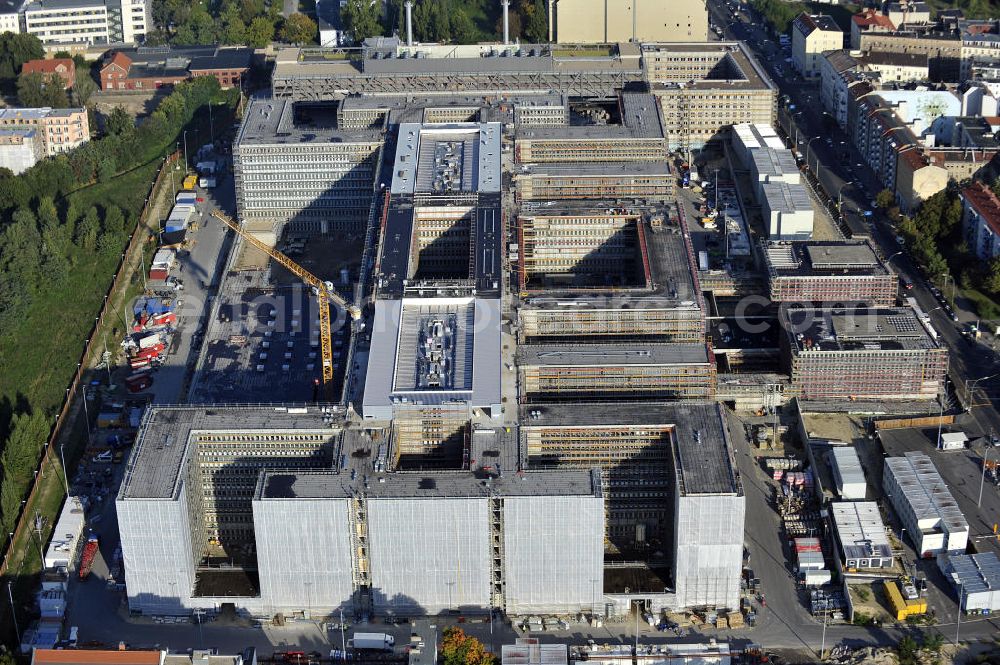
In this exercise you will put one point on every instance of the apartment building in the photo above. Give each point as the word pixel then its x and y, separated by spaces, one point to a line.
pixel 980 43
pixel 81 23
pixel 869 20
pixel 890 148
pixel 835 271
pixel 61 130
pixel 812 35
pixel 943 49
pixel 981 220
pixel 609 21
pixel 10 20
pixel 702 89
pixel 907 12
pixel 20 149
pixel 861 354
pixel 921 499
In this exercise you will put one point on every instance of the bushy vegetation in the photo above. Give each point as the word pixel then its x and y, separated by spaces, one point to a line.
pixel 457 648
pixel 464 22
pixel 239 22
pixel 63 226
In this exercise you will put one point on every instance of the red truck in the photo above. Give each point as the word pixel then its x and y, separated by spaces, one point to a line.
pixel 87 557
pixel 139 383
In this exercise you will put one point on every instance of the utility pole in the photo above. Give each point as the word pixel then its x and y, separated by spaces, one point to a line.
pixel 13 610
pixel 982 479
pixel 958 622
pixel 343 637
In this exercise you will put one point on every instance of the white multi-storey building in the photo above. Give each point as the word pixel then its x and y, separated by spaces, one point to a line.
pixel 62 23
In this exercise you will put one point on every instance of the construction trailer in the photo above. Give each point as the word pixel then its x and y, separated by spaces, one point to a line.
pixel 921 498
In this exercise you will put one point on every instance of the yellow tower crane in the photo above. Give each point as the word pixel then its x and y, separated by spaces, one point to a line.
pixel 324 292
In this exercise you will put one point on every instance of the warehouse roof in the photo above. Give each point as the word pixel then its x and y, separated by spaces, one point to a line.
pixel 786 197
pixel 926 492
pixel 278 485
pixel 561 355
pixel 975 573
pixel 164 438
pixel 860 529
pixel 702 448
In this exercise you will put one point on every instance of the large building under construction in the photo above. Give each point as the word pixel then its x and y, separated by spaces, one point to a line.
pixel 671 485
pixel 862 353
pixel 595 272
pixel 702 89
pixel 562 372
pixel 351 533
pixel 830 272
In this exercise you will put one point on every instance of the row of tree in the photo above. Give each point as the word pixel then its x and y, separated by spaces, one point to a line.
pixel 125 147
pixel 446 20
pixel 46 237
pixel 238 22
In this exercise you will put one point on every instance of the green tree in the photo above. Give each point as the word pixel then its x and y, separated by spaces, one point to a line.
pixel 114 220
pixel 885 199
pixel 536 22
pixel 28 434
pixel 932 642
pixel 87 229
pixel 119 122
pixel 234 29
pixel 261 32
pixel 363 18
pixel 15 50
pixel 298 29
pixel 992 281
pixel 36 89
pixel 463 31
pixel 907 650
pixel 84 86
pixel 48 215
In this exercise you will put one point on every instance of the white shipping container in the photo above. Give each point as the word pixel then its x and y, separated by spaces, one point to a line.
pixel 817 577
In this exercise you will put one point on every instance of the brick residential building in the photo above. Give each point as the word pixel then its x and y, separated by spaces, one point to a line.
pixel 149 68
pixel 64 67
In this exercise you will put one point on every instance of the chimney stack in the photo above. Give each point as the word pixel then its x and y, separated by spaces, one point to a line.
pixel 409 23
pixel 506 22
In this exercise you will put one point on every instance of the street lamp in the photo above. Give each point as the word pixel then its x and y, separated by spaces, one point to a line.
pixel 808 147
pixel 982 480
pixel 13 611
pixel 958 622
pixel 970 389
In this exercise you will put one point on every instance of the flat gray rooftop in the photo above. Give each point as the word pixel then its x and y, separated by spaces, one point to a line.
pixel 640 120
pixel 272 120
pixel 598 355
pixel 861 329
pixel 823 258
pixel 701 445
pixel 162 443
pixel 277 485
